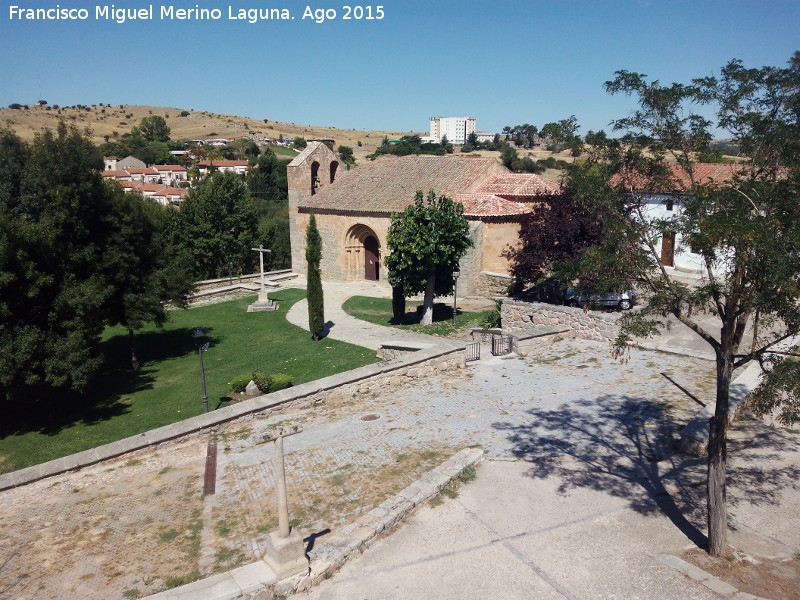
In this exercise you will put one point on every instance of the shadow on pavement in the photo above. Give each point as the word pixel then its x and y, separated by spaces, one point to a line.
pixel 622 446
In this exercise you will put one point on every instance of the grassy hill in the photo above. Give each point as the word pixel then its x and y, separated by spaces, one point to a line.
pixel 105 121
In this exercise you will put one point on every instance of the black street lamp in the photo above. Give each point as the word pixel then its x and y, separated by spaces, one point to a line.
pixel 456 273
pixel 198 337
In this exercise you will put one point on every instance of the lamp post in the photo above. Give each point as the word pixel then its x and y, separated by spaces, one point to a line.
pixel 456 273
pixel 198 336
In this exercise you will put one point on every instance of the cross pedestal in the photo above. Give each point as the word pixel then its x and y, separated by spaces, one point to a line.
pixel 263 302
pixel 286 553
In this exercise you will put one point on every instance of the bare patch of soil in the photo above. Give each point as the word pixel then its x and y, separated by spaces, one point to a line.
pixel 766 578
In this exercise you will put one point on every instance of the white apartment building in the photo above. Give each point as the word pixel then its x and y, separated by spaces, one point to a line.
pixel 455 128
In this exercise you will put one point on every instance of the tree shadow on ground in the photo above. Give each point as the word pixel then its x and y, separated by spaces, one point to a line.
pixel 441 312
pixel 624 446
pixel 620 445
pixel 49 411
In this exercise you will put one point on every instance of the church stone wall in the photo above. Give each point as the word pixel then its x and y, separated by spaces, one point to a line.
pixel 498 237
pixel 342 256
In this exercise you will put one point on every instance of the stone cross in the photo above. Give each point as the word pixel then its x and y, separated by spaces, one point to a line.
pixel 280 474
pixel 261 251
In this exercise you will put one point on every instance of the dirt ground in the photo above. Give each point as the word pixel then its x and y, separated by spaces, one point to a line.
pixel 764 577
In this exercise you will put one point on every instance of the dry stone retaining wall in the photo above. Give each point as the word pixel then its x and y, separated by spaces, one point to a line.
pixel 521 317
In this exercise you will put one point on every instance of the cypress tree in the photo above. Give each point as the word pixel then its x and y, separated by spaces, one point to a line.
pixel 316 309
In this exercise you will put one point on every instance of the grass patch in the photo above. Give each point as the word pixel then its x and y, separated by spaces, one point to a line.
pixel 379 311
pixel 120 402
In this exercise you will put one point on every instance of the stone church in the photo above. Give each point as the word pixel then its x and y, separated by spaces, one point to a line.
pixel 353 209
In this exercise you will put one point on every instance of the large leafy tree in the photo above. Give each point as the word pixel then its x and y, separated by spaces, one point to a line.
pixel 746 231
pixel 426 242
pixel 75 255
pixel 217 226
pixel 266 181
pixel 143 270
pixel 54 229
pixel 558 230
pixel 316 302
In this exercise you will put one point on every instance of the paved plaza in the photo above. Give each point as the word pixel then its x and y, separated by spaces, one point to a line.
pixel 579 496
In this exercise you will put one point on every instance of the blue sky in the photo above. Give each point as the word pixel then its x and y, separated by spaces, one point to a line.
pixel 505 62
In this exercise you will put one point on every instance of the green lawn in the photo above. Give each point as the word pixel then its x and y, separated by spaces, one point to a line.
pixel 379 310
pixel 121 403
pixel 283 152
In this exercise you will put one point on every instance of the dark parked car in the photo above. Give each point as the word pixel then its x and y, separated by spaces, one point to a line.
pixel 620 300
pixel 550 291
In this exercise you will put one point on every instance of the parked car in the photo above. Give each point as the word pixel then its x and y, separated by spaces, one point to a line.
pixel 550 291
pixel 620 300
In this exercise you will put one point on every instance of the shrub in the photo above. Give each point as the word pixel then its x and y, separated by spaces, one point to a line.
pixel 280 381
pixel 184 113
pixel 239 383
pixel 262 380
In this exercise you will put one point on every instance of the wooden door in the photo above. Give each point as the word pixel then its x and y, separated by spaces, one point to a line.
pixel 668 249
pixel 371 259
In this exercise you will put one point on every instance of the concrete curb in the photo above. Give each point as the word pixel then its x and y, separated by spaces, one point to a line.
pixel 256 581
pixel 707 579
pixel 276 401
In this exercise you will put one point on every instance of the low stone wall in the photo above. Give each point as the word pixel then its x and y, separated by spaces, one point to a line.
pixel 488 285
pixel 392 350
pixel 520 317
pixel 364 380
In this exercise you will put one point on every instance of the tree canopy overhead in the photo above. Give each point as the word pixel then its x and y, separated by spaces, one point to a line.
pixel 426 242
pixel 745 232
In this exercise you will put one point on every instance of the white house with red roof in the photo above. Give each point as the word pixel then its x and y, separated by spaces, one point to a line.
pixel 239 167
pixel 171 175
pixel 170 195
pixel 662 200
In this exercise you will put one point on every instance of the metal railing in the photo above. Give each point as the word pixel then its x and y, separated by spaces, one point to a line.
pixel 473 351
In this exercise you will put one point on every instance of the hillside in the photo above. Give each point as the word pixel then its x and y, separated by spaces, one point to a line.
pixel 106 121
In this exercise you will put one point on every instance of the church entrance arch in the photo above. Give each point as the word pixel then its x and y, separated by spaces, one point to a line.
pixel 363 253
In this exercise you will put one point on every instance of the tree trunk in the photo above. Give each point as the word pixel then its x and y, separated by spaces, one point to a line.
pixel 717 457
pixel 427 303
pixel 134 358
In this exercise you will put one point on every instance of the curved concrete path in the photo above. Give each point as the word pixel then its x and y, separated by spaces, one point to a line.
pixel 343 327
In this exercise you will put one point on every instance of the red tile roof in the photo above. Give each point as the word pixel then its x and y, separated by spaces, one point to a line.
pixel 488 205
pixel 172 192
pixel 223 163
pixel 150 187
pixel 147 171
pixel 130 184
pixel 680 180
pixel 168 168
pixel 389 183
pixel 517 184
pixel 115 173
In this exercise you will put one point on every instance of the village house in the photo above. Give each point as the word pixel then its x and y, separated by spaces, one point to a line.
pixel 112 163
pixel 663 201
pixel 237 166
pixel 170 195
pixel 171 175
pixel 353 210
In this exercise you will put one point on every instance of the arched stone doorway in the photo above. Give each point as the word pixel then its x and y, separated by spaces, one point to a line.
pixel 363 253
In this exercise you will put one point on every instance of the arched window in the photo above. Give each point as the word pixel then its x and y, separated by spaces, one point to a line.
pixel 314 177
pixel 334 166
